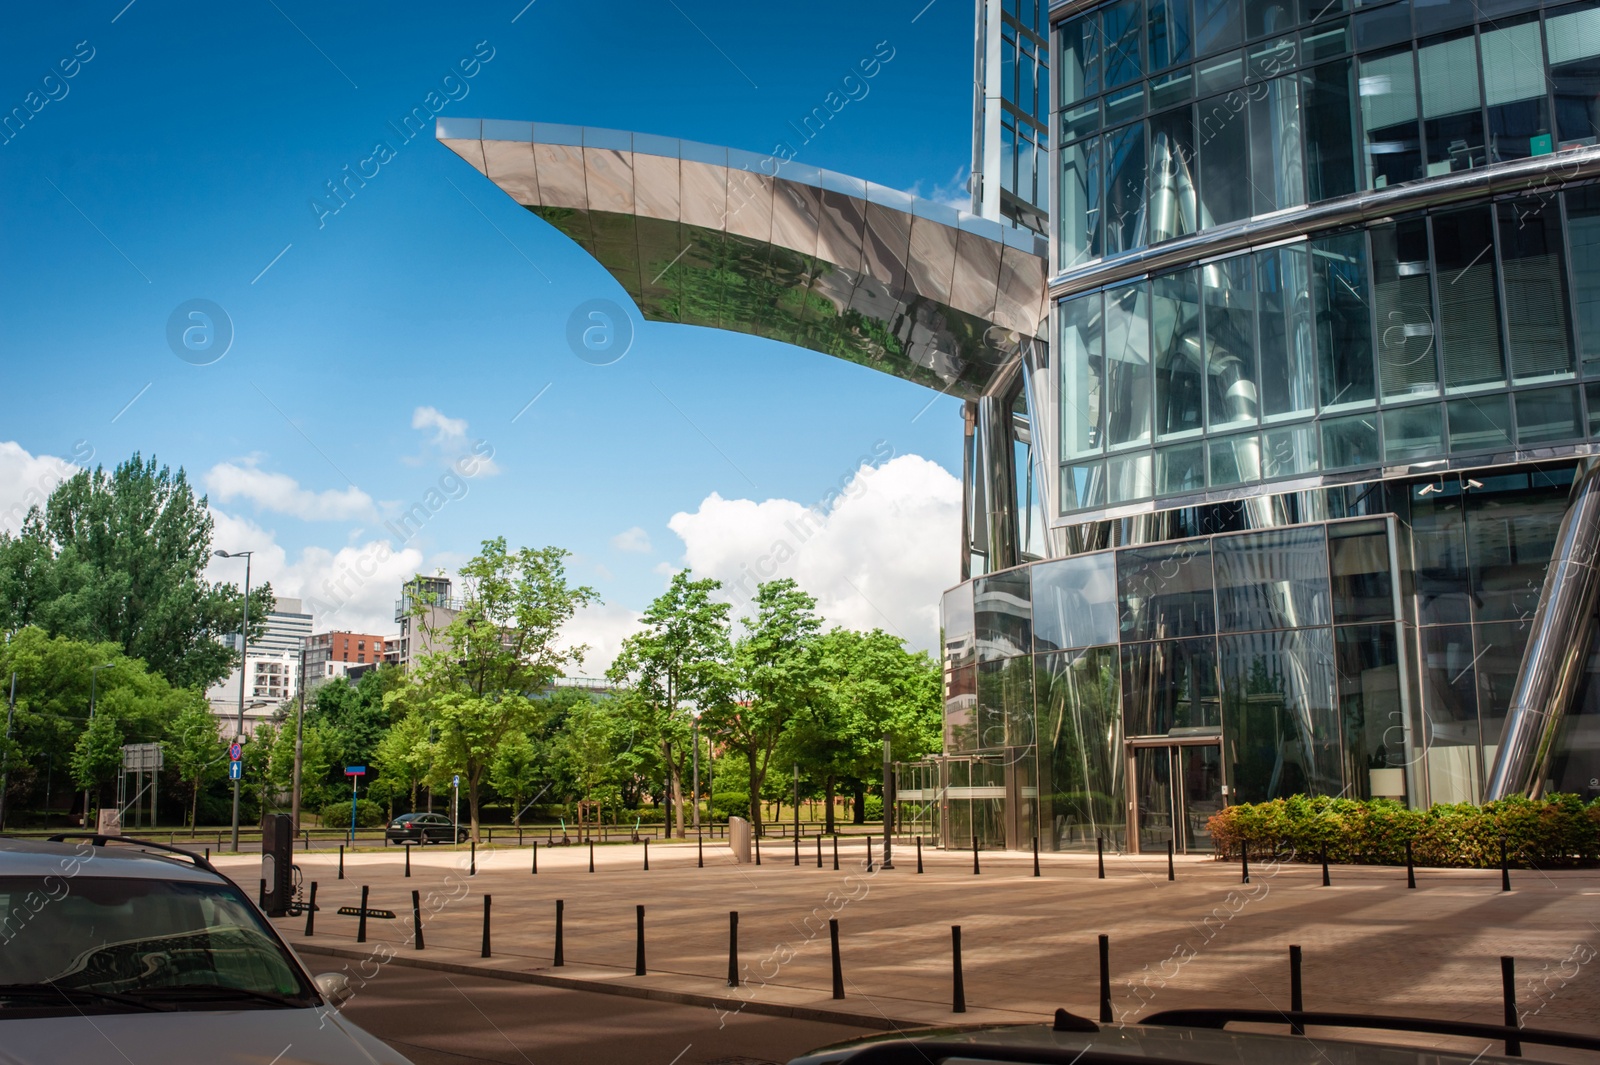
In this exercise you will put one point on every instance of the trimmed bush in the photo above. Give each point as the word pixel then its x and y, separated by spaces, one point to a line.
pixel 874 807
pixel 337 814
pixel 725 804
pixel 1559 830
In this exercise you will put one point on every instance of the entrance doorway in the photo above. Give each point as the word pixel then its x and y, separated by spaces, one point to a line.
pixel 1175 788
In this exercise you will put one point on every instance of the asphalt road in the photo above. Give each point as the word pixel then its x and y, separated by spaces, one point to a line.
pixel 445 1019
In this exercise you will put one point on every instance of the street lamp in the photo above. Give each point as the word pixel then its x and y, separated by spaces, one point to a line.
pixel 94 675
pixel 299 735
pixel 244 649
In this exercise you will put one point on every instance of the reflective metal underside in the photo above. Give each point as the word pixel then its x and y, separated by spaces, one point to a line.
pixel 708 236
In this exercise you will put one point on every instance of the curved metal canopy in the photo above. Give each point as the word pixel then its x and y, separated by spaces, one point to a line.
pixel 718 237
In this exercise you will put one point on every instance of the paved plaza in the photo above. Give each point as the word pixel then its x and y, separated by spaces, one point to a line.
pixel 1029 944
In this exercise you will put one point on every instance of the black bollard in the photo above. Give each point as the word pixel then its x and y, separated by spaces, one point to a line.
pixel 1411 868
pixel 647 855
pixel 1105 979
pixel 1244 862
pixel 819 852
pixel 311 910
pixel 733 948
pixel 1325 880
pixel 208 855
pixel 1171 875
pixel 341 861
pixel 869 854
pixel 561 957
pixel 919 854
pixel 1508 992
pixel 416 918
pixel 472 860
pixel 835 852
pixel 975 856
pixel 1505 869
pixel 1100 857
pixel 361 927
pixel 591 856
pixel 408 859
pixel 958 994
pixel 1297 1002
pixel 699 853
pixel 838 972
pixel 486 900
pixel 535 858
pixel 1035 855
pixel 638 951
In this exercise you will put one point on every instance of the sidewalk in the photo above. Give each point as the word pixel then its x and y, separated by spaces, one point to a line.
pixel 1029 944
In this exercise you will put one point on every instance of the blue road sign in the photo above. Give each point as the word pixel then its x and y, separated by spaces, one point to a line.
pixel 235 752
pixel 355 770
pixel 235 770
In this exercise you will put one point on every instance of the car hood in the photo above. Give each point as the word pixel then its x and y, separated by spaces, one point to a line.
pixel 223 1037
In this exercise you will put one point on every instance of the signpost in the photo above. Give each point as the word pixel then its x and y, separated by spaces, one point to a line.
pixel 234 770
pixel 235 766
pixel 455 805
pixel 355 773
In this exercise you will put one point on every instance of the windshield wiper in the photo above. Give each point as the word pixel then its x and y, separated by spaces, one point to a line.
pixel 72 996
pixel 188 992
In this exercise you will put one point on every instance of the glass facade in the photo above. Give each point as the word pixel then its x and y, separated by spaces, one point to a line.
pixel 1024 112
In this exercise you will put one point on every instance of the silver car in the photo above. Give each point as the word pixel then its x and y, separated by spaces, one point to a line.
pixel 135 952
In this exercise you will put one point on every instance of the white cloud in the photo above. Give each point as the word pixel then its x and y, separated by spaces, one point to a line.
pixel 953 193
pixel 602 627
pixel 450 441
pixel 877 555
pixel 279 492
pixel 635 540
pixel 26 480
pixel 447 431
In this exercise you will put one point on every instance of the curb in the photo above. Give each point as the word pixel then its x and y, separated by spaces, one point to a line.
pixel 682 998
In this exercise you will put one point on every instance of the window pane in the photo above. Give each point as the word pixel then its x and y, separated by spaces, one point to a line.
pixel 1574 39
pixel 1439 554
pixel 1548 414
pixel 1326 41
pixel 1080 238
pixel 1081 790
pixel 1224 136
pixel 1536 289
pixel 1005 703
pixel 1288 371
pixel 1123 30
pixel 1342 300
pixel 1383 26
pixel 1450 713
pixel 1349 442
pixel 1082 366
pixel 1368 659
pixel 1165 591
pixel 1404 298
pixel 1217 25
pixel 1168 685
pixel 1128 378
pixel 1289 451
pixel 1275 156
pixel 1125 163
pixel 1330 131
pixel 1452 122
pixel 1512 534
pixel 1083 485
pixel 1262 17
pixel 1388 90
pixel 1180 469
pixel 1128 478
pixel 1479 423
pixel 1412 433
pixel 1168 30
pixel 1227 289
pixel 1003 615
pixel 1280 718
pixel 1583 231
pixel 1075 602
pixel 1514 87
pixel 1272 580
pixel 1180 373
pixel 960 709
pixel 1435 15
pixel 1170 187
pixel 1500 650
pixel 1234 459
pixel 1359 561
pixel 1469 306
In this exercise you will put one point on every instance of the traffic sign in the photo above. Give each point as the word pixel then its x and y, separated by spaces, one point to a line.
pixel 355 770
pixel 235 752
pixel 455 781
pixel 235 770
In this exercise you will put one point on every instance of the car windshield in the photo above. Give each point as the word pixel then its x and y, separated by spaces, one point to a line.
pixel 101 943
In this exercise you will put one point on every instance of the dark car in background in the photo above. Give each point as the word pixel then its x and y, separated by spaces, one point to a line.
pixel 423 828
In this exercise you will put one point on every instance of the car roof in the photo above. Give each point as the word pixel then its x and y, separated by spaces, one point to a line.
pixel 37 857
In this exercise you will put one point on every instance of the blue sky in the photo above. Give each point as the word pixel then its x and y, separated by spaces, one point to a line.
pixel 182 157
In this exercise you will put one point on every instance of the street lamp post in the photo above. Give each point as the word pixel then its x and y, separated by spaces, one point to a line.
pixel 94 675
pixel 299 737
pixel 695 786
pixel 244 652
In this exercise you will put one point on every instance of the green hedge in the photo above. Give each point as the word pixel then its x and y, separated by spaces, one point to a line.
pixel 337 815
pixel 725 804
pixel 1559 830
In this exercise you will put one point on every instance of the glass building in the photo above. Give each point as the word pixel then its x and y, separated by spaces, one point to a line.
pixel 1277 327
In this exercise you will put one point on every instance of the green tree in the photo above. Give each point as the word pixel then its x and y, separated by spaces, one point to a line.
pixel 680 658
pixel 776 673
pixel 403 758
pixel 586 746
pixel 194 749
pixel 97 756
pixel 120 557
pixel 516 771
pixel 500 647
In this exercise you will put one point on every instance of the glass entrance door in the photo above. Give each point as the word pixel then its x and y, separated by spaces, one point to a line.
pixel 1176 788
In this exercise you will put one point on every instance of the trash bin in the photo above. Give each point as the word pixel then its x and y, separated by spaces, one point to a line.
pixel 739 839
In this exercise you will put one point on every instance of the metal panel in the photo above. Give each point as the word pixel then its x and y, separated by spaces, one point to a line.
pixel 749 204
pixel 932 259
pixel 610 179
pixel 510 165
pixel 655 187
pixel 794 216
pixel 559 169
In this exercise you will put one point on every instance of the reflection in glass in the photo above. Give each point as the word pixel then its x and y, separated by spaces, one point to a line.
pixel 1128 478
pixel 1002 614
pixel 1288 368
pixel 1469 308
pixel 1280 719
pixel 1452 121
pixel 1329 130
pixel 1412 433
pixel 957 623
pixel 1167 26
pixel 1439 554
pixel 1165 591
pixel 1170 188
pixel 1125 173
pixel 1349 442
pixel 1081 791
pixel 1403 295
pixel 1082 366
pixel 1169 684
pixel 1388 89
pixel 1377 757
pixel 1450 714
pixel 1574 39
pixel 1122 30
pixel 1479 423
pixel 1127 360
pixel 1234 459
pixel 1180 373
pixel 1005 703
pixel 1079 206
pixel 1272 580
pixel 1227 289
pixel 1500 650
pixel 1075 602
pixel 1289 450
pixel 961 709
pixel 1511 537
pixel 1217 25
pixel 1224 136
pixel 1545 415
pixel 1180 469
pixel 1514 88
pixel 1343 300
pixel 1275 156
pixel 1363 589
pixel 1536 288
pixel 1583 236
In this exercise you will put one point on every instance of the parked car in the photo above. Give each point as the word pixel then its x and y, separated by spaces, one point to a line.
pixel 423 828
pixel 117 943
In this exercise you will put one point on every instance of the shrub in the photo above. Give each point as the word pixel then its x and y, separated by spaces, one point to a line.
pixel 1559 830
pixel 725 804
pixel 337 814
pixel 874 807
